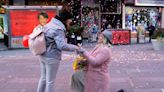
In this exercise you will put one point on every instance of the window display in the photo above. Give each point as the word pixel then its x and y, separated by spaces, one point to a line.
pixel 90 21
pixel 110 6
pixel 110 13
pixel 113 19
pixel 76 11
pixel 136 16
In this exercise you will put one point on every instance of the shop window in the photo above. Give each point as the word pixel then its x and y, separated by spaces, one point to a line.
pixel 136 16
pixel 110 14
pixel 5 2
pixel 110 6
pixel 76 11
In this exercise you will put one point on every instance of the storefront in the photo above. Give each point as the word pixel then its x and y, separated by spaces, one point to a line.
pixel 94 15
pixel 135 16
pixel 141 13
pixel 21 21
pixel 90 19
pixel 21 18
pixel 97 14
pixel 111 13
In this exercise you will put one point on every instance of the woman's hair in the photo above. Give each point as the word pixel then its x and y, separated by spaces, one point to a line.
pixel 65 13
pixel 42 13
pixel 106 40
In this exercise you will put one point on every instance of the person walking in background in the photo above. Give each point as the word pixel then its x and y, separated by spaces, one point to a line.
pixel 55 43
pixel 1 30
pixel 151 30
pixel 108 28
pixel 96 75
pixel 140 33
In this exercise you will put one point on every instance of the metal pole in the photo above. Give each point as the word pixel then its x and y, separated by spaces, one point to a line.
pixel 123 16
pixel 9 29
pixel 100 15
pixel 57 10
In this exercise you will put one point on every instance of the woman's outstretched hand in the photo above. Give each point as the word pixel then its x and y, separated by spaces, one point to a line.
pixel 81 50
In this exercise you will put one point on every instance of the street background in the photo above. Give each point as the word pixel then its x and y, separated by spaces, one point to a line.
pixel 134 68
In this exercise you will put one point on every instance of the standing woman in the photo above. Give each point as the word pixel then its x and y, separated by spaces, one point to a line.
pixel 97 74
pixel 42 18
pixel 55 43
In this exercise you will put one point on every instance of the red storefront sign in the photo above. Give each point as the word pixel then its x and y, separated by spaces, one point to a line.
pixel 22 22
pixel 121 37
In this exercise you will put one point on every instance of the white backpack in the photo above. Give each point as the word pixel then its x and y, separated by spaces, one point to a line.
pixel 37 42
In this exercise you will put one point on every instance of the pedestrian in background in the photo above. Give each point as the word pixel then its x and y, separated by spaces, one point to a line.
pixel 151 30
pixel 1 30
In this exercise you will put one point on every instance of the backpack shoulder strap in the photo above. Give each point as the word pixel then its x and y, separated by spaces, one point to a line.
pixel 37 31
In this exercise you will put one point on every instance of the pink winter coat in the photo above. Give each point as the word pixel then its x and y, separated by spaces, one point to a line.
pixel 97 74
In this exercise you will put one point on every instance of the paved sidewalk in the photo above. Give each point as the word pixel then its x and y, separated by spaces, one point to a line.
pixel 134 68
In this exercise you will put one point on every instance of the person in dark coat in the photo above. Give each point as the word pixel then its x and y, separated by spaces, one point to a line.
pixel 151 30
